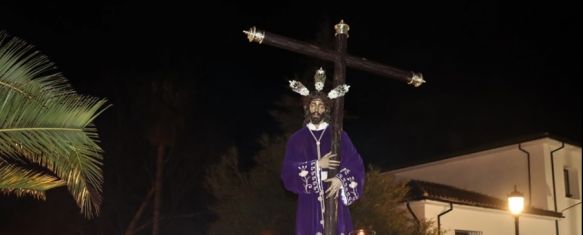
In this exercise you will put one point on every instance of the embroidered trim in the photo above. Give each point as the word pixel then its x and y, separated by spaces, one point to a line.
pixel 314 176
pixel 308 174
pixel 349 185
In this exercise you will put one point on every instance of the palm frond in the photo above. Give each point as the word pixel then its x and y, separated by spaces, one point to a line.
pixel 24 182
pixel 20 65
pixel 45 121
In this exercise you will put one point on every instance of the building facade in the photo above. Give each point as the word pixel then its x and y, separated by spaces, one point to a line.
pixel 467 194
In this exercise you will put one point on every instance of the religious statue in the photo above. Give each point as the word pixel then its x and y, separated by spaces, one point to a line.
pixel 308 158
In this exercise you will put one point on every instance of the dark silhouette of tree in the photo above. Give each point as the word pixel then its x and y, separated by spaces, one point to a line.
pixel 381 208
pixel 251 202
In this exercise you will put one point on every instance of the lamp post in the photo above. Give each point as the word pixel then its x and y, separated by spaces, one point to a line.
pixel 516 206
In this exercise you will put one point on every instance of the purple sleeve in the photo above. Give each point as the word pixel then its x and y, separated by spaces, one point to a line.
pixel 351 172
pixel 299 176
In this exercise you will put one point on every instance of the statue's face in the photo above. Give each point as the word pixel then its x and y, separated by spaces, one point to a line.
pixel 317 109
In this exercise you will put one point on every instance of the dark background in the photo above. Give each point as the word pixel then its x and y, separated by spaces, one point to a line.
pixel 495 71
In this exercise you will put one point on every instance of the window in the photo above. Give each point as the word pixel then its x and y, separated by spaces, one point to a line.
pixel 571 182
pixel 567 183
pixel 466 232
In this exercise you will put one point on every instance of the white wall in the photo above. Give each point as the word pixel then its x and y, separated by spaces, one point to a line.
pixel 487 221
pixel 569 157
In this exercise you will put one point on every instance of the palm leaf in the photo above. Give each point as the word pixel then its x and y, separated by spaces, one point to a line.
pixel 19 65
pixel 45 121
pixel 21 182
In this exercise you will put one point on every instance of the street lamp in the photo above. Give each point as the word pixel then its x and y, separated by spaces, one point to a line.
pixel 516 206
pixel 362 232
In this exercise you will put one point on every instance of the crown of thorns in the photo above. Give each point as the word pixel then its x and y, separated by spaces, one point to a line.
pixel 319 80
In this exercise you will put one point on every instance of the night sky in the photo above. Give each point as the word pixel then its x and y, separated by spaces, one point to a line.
pixel 495 71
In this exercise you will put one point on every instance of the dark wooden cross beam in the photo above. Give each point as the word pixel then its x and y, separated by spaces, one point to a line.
pixel 341 60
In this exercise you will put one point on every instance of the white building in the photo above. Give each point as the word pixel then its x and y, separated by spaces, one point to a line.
pixel 466 194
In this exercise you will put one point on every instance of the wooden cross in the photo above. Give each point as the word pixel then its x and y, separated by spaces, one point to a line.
pixel 341 60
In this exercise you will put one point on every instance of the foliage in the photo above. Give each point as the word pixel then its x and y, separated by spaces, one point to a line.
pixel 45 123
pixel 251 202
pixel 381 207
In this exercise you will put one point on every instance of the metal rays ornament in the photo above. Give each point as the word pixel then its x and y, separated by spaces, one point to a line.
pixel 339 91
pixel 299 88
pixel 319 78
pixel 319 81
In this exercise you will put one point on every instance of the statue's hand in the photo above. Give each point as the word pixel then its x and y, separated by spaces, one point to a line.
pixel 335 185
pixel 327 163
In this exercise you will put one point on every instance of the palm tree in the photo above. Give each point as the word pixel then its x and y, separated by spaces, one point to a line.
pixel 47 138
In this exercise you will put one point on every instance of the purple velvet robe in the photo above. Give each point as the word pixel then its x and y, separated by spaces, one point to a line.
pixel 300 175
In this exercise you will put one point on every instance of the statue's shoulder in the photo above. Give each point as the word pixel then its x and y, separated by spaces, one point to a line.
pixel 345 136
pixel 344 133
pixel 300 133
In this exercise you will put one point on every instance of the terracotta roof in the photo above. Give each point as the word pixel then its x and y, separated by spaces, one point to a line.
pixel 420 190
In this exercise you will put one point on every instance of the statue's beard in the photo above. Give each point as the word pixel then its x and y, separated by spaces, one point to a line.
pixel 316 117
